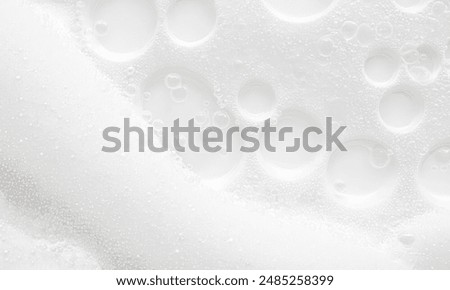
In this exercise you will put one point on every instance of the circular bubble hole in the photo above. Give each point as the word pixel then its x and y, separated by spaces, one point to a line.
pixel 382 66
pixel 426 67
pixel 362 176
pixel 178 93
pixel 191 21
pixel 291 165
pixel 434 173
pixel 401 109
pixel 121 30
pixel 257 99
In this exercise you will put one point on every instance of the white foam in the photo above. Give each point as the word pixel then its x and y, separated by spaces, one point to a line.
pixel 379 68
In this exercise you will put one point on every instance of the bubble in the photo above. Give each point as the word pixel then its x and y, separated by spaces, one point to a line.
pixel 101 27
pixel 166 95
pixel 409 53
pixel 256 99
pixel 326 46
pixel 173 81
pixel 381 67
pixel 130 90
pixel 407 239
pixel 434 182
pixel 400 109
pixel 385 29
pixel 365 35
pixel 412 6
pixel 221 119
pixel 419 73
pixel 190 21
pixel 179 95
pixel 380 156
pixel 214 168
pixel 439 8
pixel 349 29
pixel 426 238
pixel 426 69
pixel 367 170
pixel 147 96
pixel 185 103
pixel 130 71
pixel 122 28
pixel 299 10
pixel 147 115
pixel 291 164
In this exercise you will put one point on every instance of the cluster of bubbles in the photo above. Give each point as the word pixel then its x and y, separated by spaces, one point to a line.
pixel 123 30
pixel 177 93
pixel 149 47
pixel 401 107
pixel 365 176
pixel 359 177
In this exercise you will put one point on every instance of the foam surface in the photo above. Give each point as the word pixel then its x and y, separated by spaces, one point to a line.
pixel 72 68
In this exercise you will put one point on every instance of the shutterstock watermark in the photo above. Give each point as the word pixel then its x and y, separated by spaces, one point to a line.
pixel 214 139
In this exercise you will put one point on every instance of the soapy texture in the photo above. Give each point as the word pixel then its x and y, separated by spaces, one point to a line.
pixel 69 69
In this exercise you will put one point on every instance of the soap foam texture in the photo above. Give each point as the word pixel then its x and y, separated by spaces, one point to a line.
pixel 379 67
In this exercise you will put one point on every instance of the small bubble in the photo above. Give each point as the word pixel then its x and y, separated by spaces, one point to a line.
pixel 130 71
pixel 407 239
pixel 173 81
pixel 221 119
pixel 101 27
pixel 384 29
pixel 348 30
pixel 179 95
pixel 365 35
pixel 131 90
pixel 380 157
pixel 410 56
pixel 382 66
pixel 326 46
pixel 439 8
pixel 433 173
pixel 147 96
pixel 420 73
